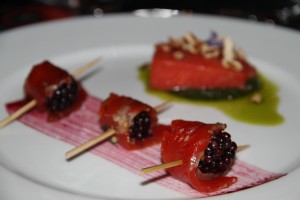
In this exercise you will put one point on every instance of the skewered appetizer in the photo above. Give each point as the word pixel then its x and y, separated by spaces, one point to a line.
pixel 67 130
pixel 55 90
pixel 212 69
pixel 132 120
pixel 206 151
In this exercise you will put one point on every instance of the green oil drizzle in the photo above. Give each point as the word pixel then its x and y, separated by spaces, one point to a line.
pixel 241 109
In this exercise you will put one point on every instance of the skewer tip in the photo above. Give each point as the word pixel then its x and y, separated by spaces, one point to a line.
pixel 18 113
pixel 165 105
pixel 242 147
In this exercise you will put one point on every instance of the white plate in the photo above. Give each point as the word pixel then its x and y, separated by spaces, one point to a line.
pixel 32 165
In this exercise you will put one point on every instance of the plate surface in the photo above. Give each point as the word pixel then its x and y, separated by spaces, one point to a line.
pixel 32 165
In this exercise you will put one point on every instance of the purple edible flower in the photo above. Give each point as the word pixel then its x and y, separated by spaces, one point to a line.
pixel 214 40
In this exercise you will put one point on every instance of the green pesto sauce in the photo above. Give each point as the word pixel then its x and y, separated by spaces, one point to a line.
pixel 241 109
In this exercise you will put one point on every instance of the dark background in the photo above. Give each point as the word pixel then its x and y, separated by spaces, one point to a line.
pixel 15 13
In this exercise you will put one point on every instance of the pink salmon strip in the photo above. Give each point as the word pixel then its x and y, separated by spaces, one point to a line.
pixel 83 125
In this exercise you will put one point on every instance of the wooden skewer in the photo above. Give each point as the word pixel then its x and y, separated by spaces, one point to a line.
pixel 33 102
pixel 86 67
pixel 18 113
pixel 161 107
pixel 242 147
pixel 177 162
pixel 78 150
pixel 83 147
pixel 161 166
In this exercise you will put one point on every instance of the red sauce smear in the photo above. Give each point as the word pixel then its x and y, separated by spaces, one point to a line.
pixel 83 124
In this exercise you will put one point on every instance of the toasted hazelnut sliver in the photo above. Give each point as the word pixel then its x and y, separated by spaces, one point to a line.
pixel 213 50
pixel 204 48
pixel 236 65
pixel 212 54
pixel 174 43
pixel 190 48
pixel 228 49
pixel 207 48
pixel 199 43
pixel 178 55
pixel 256 98
pixel 232 64
pixel 166 48
pixel 225 63
pixel 186 46
pixel 190 38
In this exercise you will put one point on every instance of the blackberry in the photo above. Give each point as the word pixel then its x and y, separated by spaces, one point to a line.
pixel 63 97
pixel 218 155
pixel 140 128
